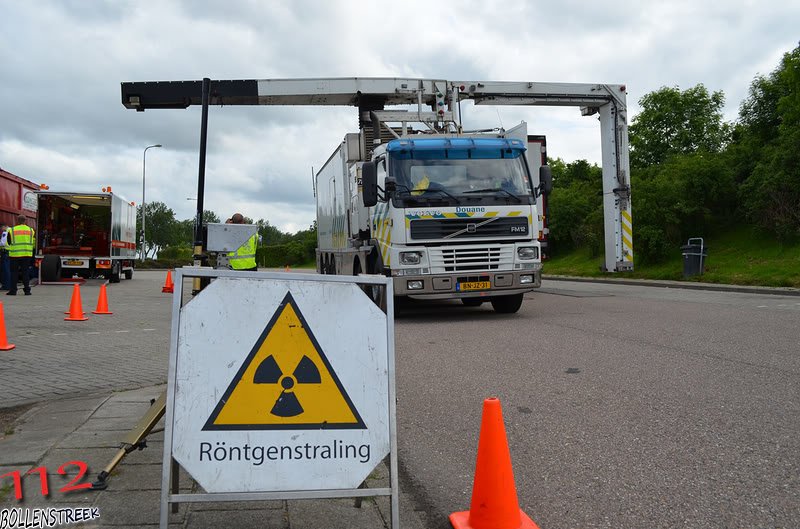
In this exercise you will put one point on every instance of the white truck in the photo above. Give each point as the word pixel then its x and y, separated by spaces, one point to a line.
pixel 446 215
pixel 85 234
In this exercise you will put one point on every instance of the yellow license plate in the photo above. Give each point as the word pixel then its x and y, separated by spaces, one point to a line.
pixel 475 285
pixel 73 262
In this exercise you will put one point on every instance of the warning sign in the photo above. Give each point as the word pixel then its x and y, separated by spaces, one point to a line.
pixel 279 384
pixel 286 382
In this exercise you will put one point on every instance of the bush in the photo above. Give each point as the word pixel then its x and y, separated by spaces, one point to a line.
pixel 176 252
pixel 686 196
pixel 279 255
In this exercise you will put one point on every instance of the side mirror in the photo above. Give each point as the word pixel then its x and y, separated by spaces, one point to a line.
pixel 545 179
pixel 369 184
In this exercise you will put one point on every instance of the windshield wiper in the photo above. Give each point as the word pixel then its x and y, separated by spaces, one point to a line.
pixel 501 190
pixel 418 193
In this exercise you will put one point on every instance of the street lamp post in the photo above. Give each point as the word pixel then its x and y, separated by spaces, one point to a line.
pixel 144 165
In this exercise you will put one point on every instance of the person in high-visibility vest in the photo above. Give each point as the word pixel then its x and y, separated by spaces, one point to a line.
pixel 5 261
pixel 21 241
pixel 244 258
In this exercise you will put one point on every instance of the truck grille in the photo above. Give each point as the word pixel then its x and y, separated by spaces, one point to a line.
pixel 469 227
pixel 469 258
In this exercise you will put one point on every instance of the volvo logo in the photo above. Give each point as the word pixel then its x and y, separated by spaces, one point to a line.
pixel 472 228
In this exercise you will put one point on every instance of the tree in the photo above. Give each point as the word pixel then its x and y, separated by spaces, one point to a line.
pixel 677 122
pixel 270 235
pixel 160 227
pixel 576 206
pixel 185 228
pixel 686 196
pixel 767 154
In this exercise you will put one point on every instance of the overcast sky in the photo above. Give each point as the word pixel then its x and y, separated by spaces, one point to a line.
pixel 61 63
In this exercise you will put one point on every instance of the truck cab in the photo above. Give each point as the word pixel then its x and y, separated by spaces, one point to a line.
pixel 457 219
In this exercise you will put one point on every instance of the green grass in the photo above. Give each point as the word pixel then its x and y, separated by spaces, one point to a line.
pixel 739 257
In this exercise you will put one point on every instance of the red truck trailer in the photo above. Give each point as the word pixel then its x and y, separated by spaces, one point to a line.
pixel 17 197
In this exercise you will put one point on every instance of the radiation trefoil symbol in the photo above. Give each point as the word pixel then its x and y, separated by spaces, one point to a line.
pixel 269 372
pixel 285 383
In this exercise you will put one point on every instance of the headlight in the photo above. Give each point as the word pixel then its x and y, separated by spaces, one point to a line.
pixel 525 279
pixel 414 284
pixel 410 258
pixel 528 252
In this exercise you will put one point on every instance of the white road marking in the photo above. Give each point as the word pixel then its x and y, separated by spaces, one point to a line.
pixel 93 332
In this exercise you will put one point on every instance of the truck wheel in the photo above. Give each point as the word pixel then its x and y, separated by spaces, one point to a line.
pixel 374 292
pixel 507 304
pixel 472 302
pixel 51 268
pixel 114 275
pixel 128 274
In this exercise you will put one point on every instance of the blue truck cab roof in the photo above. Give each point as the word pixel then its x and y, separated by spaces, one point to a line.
pixel 457 148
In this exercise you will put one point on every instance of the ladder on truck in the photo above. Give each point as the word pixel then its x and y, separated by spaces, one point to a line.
pixel 373 95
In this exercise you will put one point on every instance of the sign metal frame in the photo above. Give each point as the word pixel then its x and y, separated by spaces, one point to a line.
pixel 169 479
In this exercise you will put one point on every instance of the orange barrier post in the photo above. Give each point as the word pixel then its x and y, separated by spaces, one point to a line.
pixel 4 345
pixel 75 307
pixel 168 285
pixel 494 496
pixel 102 302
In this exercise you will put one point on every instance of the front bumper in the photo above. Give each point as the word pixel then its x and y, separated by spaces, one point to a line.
pixel 445 286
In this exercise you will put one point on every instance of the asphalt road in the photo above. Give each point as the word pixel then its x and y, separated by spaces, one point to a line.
pixel 625 407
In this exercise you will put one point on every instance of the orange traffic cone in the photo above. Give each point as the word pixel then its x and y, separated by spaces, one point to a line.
pixel 75 308
pixel 102 302
pixel 4 345
pixel 494 496
pixel 168 285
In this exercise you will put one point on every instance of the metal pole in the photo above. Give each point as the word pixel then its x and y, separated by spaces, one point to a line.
pixel 144 165
pixel 199 258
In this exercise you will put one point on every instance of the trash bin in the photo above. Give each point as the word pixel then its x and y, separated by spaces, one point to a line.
pixel 694 257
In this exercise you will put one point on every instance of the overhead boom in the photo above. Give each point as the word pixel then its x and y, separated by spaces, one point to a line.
pixel 375 93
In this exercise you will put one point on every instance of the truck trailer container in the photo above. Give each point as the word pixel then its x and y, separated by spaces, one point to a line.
pixel 86 235
pixel 17 197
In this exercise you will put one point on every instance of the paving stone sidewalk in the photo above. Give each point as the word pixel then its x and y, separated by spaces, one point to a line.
pixel 90 428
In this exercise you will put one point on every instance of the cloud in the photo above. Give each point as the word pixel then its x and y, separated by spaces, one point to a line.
pixel 63 62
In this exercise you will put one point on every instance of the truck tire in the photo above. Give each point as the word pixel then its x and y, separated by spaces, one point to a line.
pixel 51 268
pixel 472 302
pixel 128 273
pixel 507 304
pixel 373 292
pixel 113 276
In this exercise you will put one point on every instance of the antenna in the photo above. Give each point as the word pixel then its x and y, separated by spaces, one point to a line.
pixel 313 182
pixel 499 118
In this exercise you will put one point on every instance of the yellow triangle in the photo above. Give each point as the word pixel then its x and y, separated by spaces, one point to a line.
pixel 285 383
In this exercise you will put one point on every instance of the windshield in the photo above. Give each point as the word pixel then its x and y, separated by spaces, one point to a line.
pixel 461 181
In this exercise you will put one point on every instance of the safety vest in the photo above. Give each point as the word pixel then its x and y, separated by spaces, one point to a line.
pixel 245 256
pixel 20 241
